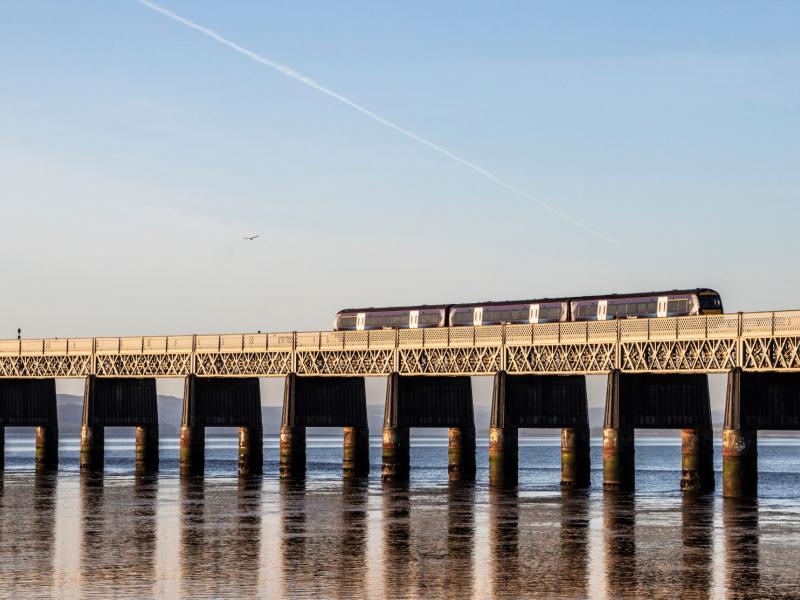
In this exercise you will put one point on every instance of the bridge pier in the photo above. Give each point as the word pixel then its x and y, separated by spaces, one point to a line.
pixel 31 403
pixel 539 401
pixel 355 452
pixel 662 401
pixel 420 401
pixel 221 402
pixel 697 459
pixel 119 402
pixel 324 402
pixel 47 447
pixel 739 442
pixel 618 440
pixel 575 461
pixel 146 448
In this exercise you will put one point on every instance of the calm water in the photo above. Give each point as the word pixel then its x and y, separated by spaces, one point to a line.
pixel 117 535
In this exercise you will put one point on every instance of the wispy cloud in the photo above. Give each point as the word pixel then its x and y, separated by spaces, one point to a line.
pixel 289 72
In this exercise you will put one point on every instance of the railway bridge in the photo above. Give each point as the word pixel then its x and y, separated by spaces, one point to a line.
pixel 657 378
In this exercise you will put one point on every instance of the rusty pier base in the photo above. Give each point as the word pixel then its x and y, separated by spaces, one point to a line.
pixel 355 452
pixel 47 447
pixel 697 460
pixel 461 454
pixel 575 462
pixel 251 450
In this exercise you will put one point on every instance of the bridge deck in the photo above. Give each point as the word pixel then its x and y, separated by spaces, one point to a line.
pixel 767 341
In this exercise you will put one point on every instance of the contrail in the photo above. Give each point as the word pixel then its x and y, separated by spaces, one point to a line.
pixel 289 72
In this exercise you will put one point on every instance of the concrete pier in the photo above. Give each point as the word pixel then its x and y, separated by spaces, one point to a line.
pixel 461 453
pixel 503 438
pixel 697 459
pixel 31 403
pixel 419 401
pixel 355 452
pixel 251 450
pixel 618 445
pixel 192 458
pixel 575 462
pixel 92 435
pixel 503 456
pixel 312 401
pixel 47 447
pixel 539 401
pixel 739 442
pixel 146 448
pixel 395 453
pixel 292 451
pixel 119 402
pixel 221 402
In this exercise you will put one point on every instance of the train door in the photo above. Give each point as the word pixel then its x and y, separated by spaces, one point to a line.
pixel 661 311
pixel 413 319
pixel 602 310
pixel 477 316
pixel 533 314
pixel 361 319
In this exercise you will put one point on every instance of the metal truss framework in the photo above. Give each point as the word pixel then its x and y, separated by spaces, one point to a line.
pixel 704 344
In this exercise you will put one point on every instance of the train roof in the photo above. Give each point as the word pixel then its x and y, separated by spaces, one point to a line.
pixel 530 301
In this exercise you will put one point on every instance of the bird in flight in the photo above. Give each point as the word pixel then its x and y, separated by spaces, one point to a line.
pixel 251 237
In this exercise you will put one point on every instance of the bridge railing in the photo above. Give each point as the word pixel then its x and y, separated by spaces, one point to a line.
pixel 741 326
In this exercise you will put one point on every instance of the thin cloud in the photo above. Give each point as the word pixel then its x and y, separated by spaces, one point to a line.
pixel 289 72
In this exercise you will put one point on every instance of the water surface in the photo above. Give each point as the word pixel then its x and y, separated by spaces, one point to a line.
pixel 119 535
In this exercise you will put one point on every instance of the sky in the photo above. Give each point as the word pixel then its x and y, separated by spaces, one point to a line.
pixel 135 153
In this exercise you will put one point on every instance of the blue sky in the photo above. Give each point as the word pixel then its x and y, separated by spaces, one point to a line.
pixel 135 153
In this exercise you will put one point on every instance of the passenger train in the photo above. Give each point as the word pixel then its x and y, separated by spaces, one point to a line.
pixel 676 303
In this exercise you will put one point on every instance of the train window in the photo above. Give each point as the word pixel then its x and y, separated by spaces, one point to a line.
pixel 347 321
pixel 678 306
pixel 461 316
pixel 549 313
pixel 586 311
pixel 429 318
pixel 710 302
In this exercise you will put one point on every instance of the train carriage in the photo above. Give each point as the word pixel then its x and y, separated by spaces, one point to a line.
pixel 647 305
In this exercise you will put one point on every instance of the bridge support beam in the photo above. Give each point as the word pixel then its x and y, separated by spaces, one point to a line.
pixel 739 444
pixel 251 450
pixel 355 453
pixel 396 443
pixel 193 435
pixel 461 464
pixel 697 459
pixel 618 444
pixel 146 448
pixel 47 447
pixel 503 438
pixel 575 461
pixel 92 434
pixel 293 434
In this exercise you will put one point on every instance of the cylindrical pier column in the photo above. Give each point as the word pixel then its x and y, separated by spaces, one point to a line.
pixel 193 449
pixel 292 451
pixel 618 458
pixel 355 454
pixel 47 447
pixel 395 451
pixel 503 455
pixel 697 459
pixel 461 454
pixel 739 463
pixel 575 463
pixel 92 447
pixel 251 450
pixel 147 448
pixel 2 449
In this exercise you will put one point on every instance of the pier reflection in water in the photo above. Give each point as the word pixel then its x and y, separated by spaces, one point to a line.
pixel 220 541
pixel 27 530
pixel 78 535
pixel 323 539
pixel 539 545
